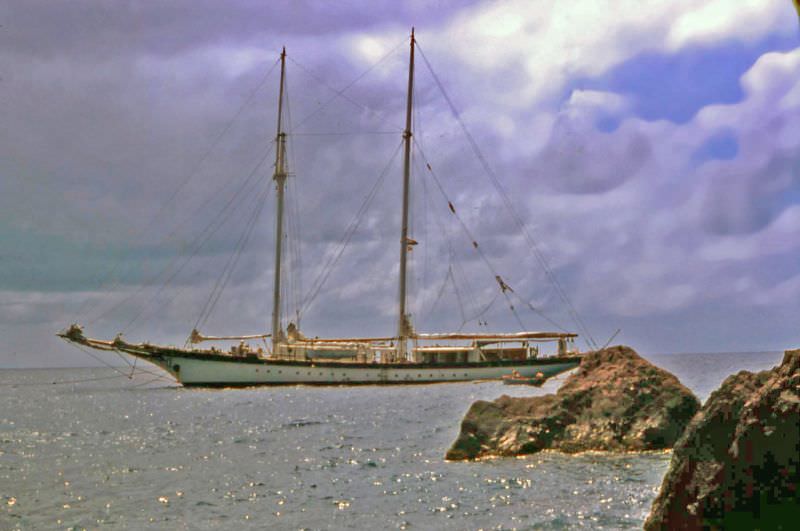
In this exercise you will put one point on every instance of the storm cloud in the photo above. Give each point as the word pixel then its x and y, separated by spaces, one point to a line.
pixel 676 220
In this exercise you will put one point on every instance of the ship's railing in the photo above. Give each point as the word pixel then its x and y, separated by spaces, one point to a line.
pixel 469 346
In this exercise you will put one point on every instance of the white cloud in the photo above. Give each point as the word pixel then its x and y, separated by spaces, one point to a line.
pixel 553 42
pixel 635 227
pixel 717 20
pixel 675 234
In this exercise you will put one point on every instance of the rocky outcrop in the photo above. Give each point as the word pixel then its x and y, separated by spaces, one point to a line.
pixel 615 401
pixel 738 464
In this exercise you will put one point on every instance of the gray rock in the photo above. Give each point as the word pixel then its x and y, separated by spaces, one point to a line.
pixel 737 466
pixel 615 401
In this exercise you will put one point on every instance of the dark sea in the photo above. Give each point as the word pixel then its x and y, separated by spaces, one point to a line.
pixel 114 453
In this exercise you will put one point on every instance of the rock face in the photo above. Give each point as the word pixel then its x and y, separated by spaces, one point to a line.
pixel 615 401
pixel 738 464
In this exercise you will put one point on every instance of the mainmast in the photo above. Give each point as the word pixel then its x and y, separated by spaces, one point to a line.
pixel 404 326
pixel 280 183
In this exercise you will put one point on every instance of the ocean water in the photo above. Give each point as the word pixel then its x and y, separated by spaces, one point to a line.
pixel 114 453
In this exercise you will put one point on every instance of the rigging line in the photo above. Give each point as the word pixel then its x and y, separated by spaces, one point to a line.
pixel 509 205
pixel 352 227
pixel 175 294
pixel 231 266
pixel 539 312
pixel 458 299
pixel 454 265
pixel 138 369
pixel 514 311
pixel 337 93
pixel 148 382
pixel 164 284
pixel 189 176
pixel 264 155
pixel 296 252
pixel 535 310
pixel 141 370
pixel 346 133
pixel 296 267
pixel 425 227
pixel 340 93
pixel 446 234
pixel 64 382
pixel 451 252
pixel 123 358
pixel 486 308
pixel 257 202
pixel 419 177
pixel 99 360
pixel 152 280
pixel 293 221
pixel 108 365
pixel 205 234
pixel 464 226
pixel 439 295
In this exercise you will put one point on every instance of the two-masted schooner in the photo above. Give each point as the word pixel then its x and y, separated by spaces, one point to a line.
pixel 408 357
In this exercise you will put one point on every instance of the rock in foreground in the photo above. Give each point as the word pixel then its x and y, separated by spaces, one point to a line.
pixel 738 464
pixel 616 401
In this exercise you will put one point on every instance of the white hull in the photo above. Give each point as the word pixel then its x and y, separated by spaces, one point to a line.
pixel 194 370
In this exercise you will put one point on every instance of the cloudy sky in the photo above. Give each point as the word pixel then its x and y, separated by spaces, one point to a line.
pixel 652 150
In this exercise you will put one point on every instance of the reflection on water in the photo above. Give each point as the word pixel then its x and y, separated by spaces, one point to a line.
pixel 115 453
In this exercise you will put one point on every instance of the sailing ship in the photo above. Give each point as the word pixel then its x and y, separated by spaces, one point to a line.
pixel 408 357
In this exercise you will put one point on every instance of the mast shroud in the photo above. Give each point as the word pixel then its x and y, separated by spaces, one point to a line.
pixel 403 325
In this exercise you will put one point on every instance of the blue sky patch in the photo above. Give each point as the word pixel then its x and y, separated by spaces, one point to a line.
pixel 607 123
pixel 720 146
pixel 675 86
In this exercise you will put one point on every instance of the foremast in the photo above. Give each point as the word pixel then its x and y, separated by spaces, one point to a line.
pixel 280 184
pixel 404 324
